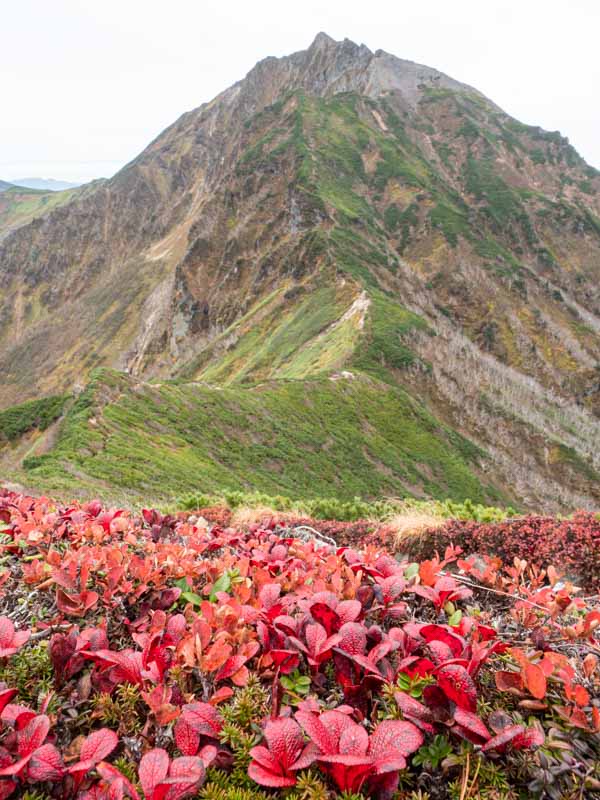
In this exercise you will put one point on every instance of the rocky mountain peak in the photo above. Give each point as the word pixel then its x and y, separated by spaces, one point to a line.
pixel 322 41
pixel 328 67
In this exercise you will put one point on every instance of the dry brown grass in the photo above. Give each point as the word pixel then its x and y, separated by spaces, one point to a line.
pixel 249 516
pixel 406 527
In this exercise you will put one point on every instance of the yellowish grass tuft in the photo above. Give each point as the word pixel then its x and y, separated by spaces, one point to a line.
pixel 409 525
pixel 246 515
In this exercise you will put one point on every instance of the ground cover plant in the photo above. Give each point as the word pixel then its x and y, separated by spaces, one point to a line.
pixel 164 657
pixel 573 542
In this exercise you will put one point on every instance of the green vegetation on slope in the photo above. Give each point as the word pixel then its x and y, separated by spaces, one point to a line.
pixel 281 339
pixel 39 414
pixel 332 508
pixel 20 205
pixel 346 437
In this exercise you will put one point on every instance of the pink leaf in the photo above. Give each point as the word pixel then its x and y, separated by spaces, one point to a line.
pixel 33 735
pixel 46 764
pixel 265 777
pixel 472 724
pixel 394 737
pixel 187 738
pixel 353 638
pixel 153 768
pixel 98 745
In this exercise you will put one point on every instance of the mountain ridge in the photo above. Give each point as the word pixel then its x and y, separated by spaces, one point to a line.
pixel 452 251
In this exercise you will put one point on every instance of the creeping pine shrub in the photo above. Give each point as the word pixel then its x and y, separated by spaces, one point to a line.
pixel 332 508
pixel 573 543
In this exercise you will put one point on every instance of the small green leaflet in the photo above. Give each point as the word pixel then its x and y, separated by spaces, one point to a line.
pixel 223 584
pixel 186 592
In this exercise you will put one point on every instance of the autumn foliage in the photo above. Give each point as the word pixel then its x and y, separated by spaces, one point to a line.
pixel 181 658
pixel 573 543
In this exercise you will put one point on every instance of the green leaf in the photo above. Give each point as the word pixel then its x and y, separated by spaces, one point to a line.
pixel 411 571
pixel 191 597
pixel 222 584
pixel 455 618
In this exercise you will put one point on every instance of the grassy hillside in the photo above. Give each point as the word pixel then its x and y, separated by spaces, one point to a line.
pixel 323 437
pixel 19 205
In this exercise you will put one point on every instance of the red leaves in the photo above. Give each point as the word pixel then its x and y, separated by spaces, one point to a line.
pixel 198 722
pixel 94 749
pixel 346 752
pixel 571 543
pixel 458 686
pixel 46 764
pixel 318 646
pixel 276 764
pixel 10 640
pixel 32 730
pixel 98 745
pixel 349 621
pixel 163 779
pixel 76 605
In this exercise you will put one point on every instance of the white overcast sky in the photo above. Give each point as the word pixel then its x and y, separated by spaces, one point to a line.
pixel 86 84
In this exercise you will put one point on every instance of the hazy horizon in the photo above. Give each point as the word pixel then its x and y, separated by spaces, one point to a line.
pixel 87 88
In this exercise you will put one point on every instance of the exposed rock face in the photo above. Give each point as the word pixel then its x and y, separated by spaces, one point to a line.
pixel 337 167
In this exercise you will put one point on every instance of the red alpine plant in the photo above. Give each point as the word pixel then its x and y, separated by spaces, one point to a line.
pixel 286 752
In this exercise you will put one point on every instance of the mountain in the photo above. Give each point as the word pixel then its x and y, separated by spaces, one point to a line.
pixel 4 186
pixel 45 184
pixel 338 224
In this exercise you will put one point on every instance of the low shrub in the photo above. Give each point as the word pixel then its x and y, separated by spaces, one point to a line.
pixel 332 508
pixel 154 656
pixel 573 543
pixel 40 414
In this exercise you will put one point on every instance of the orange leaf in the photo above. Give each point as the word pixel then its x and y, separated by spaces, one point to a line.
pixel 427 572
pixel 590 665
pixel 222 694
pixel 216 656
pixel 547 666
pixel 581 695
pixel 535 680
pixel 508 681
pixel 519 656
pixel 533 705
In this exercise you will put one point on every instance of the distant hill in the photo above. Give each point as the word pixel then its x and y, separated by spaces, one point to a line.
pixel 19 205
pixel 360 245
pixel 45 184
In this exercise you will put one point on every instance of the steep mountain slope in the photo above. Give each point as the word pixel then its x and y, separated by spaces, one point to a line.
pixel 338 210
